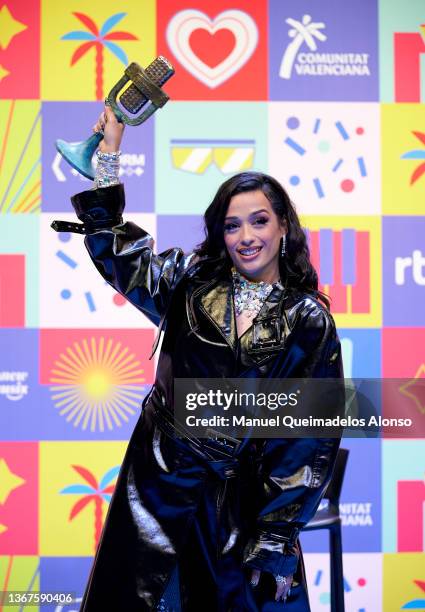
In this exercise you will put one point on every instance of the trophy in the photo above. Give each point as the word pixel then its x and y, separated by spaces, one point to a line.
pixel 129 108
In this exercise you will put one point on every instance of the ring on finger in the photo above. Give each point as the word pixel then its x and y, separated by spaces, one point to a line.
pixel 280 579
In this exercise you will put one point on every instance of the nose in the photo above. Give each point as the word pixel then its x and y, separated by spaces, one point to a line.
pixel 246 235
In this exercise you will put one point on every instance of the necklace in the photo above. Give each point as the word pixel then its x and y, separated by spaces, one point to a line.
pixel 249 296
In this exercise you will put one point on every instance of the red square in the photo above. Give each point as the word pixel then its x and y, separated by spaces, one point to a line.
pixel 403 396
pixel 403 352
pixel 218 49
pixel 20 49
pixel 12 290
pixel 19 498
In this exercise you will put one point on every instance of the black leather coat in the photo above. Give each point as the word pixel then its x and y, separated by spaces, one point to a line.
pixel 187 503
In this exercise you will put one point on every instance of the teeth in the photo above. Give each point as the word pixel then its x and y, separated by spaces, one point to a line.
pixel 249 251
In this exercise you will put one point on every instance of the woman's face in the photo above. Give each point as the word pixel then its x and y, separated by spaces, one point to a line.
pixel 252 233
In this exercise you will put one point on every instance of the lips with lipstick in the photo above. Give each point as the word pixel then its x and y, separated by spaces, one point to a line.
pixel 249 253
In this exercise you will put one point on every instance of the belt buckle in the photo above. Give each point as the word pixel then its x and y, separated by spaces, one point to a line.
pixel 224 441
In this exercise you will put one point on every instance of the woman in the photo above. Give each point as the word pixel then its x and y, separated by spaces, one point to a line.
pixel 211 524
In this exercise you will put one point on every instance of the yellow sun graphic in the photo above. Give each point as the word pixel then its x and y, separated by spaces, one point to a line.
pixel 97 384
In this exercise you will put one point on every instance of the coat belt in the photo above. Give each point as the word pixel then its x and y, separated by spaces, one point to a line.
pixel 217 456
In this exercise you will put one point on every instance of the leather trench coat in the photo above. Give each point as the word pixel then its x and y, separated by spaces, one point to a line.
pixel 211 512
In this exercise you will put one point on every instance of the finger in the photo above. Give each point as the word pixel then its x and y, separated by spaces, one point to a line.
pixel 255 577
pixel 101 121
pixel 109 114
pixel 283 589
pixel 280 591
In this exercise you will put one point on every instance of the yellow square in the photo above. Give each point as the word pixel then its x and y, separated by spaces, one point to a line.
pixel 404 585
pixel 71 472
pixel 21 574
pixel 20 156
pixel 403 159
pixel 98 39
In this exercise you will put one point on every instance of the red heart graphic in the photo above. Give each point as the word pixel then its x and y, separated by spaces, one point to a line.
pixel 212 48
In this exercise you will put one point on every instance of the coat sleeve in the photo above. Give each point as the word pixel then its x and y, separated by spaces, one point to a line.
pixel 123 252
pixel 294 473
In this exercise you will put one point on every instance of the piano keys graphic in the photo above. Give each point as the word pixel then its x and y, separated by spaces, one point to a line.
pixel 342 261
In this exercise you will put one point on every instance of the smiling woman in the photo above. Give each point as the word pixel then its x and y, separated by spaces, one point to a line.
pixel 212 523
pixel 253 234
pixel 252 224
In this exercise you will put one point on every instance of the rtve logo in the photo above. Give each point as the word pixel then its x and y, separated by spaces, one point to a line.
pixel 414 265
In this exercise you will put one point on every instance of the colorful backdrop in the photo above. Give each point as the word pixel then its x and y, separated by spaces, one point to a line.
pixel 329 98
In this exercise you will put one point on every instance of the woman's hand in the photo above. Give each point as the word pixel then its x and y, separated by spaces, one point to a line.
pixel 112 130
pixel 283 587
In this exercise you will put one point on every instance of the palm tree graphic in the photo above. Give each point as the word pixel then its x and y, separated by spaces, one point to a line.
pixel 99 38
pixel 95 492
pixel 302 32
pixel 416 154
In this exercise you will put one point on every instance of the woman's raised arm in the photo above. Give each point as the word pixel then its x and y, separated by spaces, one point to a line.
pixel 123 252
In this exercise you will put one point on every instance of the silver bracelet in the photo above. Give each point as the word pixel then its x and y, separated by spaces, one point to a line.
pixel 108 155
pixel 108 169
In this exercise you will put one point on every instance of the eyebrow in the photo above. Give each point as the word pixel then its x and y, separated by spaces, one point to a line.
pixel 256 212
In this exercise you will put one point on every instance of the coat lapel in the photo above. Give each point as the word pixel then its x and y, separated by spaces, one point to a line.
pixel 215 301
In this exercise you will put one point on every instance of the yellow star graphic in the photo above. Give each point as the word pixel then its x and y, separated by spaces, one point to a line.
pixel 8 481
pixel 3 528
pixel 414 389
pixel 9 27
pixel 3 72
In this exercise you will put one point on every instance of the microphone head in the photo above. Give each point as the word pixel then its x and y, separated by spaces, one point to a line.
pixel 159 71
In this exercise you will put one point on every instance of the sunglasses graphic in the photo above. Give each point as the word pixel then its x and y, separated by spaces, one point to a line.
pixel 196 156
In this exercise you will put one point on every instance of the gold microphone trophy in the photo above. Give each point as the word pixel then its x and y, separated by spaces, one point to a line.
pixel 145 87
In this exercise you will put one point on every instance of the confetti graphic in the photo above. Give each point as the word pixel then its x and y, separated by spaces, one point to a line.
pixel 73 293
pixel 326 157
pixel 361 573
pixel 345 184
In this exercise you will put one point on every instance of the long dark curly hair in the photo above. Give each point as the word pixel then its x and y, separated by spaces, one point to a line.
pixel 296 269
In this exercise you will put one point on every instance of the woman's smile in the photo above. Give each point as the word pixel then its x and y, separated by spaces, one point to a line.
pixel 249 253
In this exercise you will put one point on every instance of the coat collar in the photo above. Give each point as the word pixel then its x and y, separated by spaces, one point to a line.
pixel 215 300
